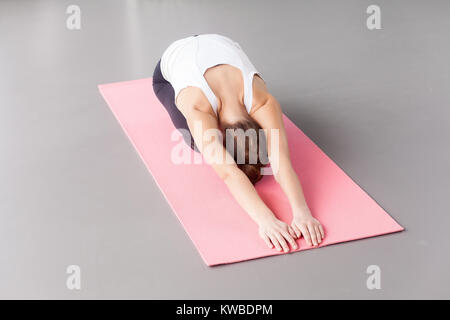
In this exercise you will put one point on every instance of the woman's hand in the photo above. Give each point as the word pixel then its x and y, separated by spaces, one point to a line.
pixel 305 224
pixel 277 234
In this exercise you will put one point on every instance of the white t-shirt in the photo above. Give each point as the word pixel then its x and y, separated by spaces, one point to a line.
pixel 186 60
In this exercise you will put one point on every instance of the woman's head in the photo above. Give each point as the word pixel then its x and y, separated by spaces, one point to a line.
pixel 243 140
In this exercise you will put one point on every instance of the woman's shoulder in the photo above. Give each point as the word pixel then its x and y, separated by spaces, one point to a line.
pixel 191 98
pixel 261 93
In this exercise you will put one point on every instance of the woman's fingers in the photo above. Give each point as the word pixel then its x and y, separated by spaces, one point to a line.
pixel 312 232
pixel 282 242
pixel 321 231
pixel 290 239
pixel 306 234
pixel 283 237
pixel 318 235
pixel 267 240
pixel 274 240
pixel 292 232
pixel 297 231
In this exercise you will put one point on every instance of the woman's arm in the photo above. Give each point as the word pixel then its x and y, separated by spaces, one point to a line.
pixel 270 116
pixel 204 129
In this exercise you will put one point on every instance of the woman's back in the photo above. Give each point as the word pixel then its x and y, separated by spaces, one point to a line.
pixel 214 63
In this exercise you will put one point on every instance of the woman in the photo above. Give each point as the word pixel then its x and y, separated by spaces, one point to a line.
pixel 208 80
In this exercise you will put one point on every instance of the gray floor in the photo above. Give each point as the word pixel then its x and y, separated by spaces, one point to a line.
pixel 74 191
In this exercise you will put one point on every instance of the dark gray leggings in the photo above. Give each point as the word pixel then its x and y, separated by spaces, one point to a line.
pixel 166 95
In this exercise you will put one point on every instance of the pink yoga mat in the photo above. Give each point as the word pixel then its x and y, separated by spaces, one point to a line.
pixel 221 231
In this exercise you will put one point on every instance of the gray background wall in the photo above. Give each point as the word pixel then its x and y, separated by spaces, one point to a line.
pixel 74 191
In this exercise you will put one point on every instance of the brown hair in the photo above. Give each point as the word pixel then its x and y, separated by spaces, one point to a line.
pixel 246 152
